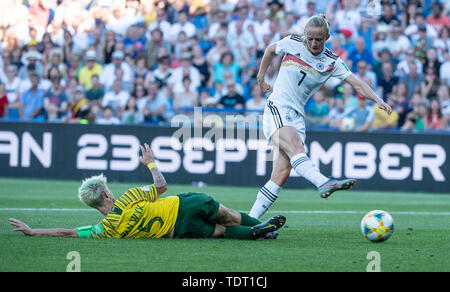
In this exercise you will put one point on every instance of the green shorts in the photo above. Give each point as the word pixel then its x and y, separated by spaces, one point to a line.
pixel 196 216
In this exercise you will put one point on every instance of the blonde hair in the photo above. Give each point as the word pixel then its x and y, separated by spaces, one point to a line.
pixel 318 20
pixel 91 190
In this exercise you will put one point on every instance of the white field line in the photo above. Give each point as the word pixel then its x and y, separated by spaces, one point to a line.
pixel 270 211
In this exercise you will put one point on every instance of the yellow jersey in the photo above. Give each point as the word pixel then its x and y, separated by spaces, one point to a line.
pixel 137 214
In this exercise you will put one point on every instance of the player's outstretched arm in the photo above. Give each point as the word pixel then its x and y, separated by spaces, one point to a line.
pixel 364 89
pixel 265 63
pixel 148 159
pixel 58 232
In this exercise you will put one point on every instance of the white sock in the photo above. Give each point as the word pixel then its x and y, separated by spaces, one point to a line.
pixel 304 167
pixel 265 198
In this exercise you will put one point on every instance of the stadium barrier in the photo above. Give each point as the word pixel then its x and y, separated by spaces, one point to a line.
pixel 238 157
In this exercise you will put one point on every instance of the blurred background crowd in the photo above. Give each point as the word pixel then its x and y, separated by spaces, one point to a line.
pixel 149 61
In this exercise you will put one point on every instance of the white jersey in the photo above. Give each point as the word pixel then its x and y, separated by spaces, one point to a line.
pixel 303 74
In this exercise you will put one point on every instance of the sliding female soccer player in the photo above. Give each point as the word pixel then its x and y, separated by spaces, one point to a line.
pixel 305 67
pixel 139 213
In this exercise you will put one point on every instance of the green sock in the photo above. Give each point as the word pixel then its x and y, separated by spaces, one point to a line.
pixel 247 220
pixel 237 232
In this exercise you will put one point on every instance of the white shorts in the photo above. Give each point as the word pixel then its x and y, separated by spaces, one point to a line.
pixel 277 116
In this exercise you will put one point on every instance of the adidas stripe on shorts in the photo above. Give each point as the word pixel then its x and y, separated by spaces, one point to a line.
pixel 276 116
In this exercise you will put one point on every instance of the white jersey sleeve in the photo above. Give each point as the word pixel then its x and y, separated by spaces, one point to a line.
pixel 340 70
pixel 287 44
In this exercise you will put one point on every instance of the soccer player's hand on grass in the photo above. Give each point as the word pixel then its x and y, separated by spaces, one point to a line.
pixel 147 155
pixel 20 226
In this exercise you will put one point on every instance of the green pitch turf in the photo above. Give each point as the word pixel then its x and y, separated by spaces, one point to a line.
pixel 320 235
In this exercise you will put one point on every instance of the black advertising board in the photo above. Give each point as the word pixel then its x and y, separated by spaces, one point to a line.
pixel 380 161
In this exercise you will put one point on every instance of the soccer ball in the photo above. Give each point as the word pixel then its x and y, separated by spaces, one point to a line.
pixel 347 124
pixel 377 226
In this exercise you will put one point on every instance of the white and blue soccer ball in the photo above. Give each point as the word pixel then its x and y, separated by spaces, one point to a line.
pixel 377 225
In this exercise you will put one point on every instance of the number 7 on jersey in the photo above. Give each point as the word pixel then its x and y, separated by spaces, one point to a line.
pixel 303 77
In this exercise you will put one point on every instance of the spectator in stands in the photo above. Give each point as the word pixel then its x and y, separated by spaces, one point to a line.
pixel 275 11
pixel 388 16
pixel 109 46
pixel 161 23
pixel 413 79
pixel 232 100
pixel 347 17
pixel 384 121
pixel 56 104
pixel 226 64
pixel 135 41
pixel 186 69
pixel 187 98
pixel 242 43
pixel 141 69
pixel 442 43
pixel 434 115
pixel 90 68
pixel 257 101
pixel 412 30
pixel 80 107
pixel 363 115
pixel 131 114
pixel 155 104
pixel 55 59
pixel 318 110
pixel 117 98
pixel 348 95
pixel 396 42
pixel 337 113
pixel 155 42
pixel 199 62
pixel 430 84
pixel 417 118
pixel 12 84
pixel 96 92
pixel 107 117
pixel 388 80
pixel 31 58
pixel 162 74
pixel 364 73
pixel 215 54
pixel 400 96
pixel 422 44
pixel 336 47
pixel 4 112
pixel 182 24
pixel 403 66
pixel 431 60
pixel 360 52
pixel 109 71
pixel 438 19
pixel 32 100
pixel 444 98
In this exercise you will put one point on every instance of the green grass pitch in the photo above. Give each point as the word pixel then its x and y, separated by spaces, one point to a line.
pixel 320 235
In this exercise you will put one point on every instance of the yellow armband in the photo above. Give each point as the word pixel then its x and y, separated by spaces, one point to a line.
pixel 151 165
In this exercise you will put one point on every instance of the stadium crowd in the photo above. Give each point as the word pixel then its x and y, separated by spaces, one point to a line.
pixel 131 62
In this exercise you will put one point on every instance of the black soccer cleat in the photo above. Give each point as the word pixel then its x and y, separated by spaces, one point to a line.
pixel 271 225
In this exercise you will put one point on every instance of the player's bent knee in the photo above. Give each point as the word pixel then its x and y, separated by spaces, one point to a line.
pixel 219 231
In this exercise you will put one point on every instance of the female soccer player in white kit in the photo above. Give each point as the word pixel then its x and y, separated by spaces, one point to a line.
pixel 305 67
